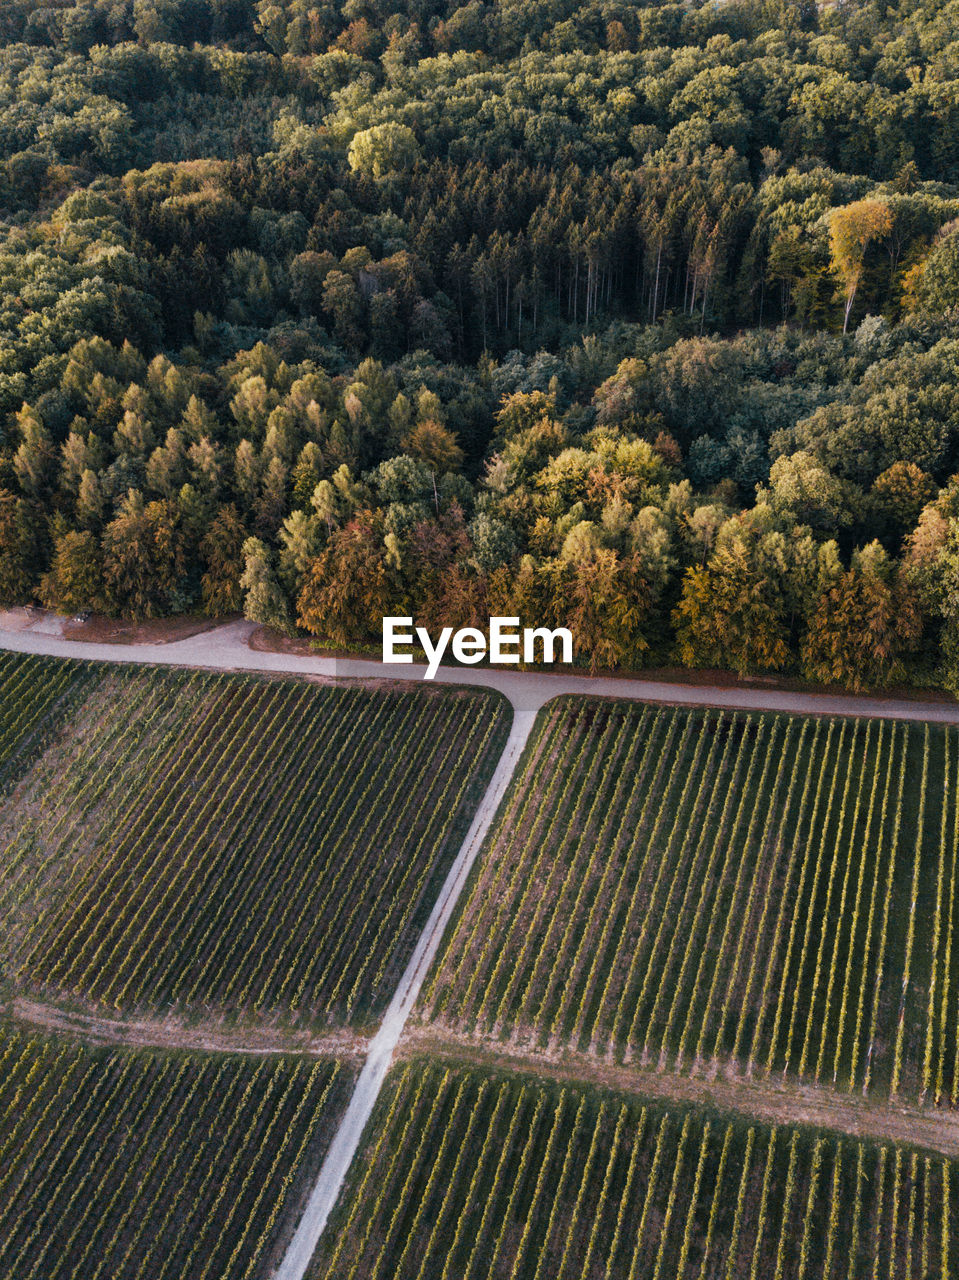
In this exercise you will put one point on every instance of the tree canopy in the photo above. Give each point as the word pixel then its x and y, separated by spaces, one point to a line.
pixel 641 313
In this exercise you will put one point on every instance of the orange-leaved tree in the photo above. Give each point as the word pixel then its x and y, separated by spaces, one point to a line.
pixel 352 585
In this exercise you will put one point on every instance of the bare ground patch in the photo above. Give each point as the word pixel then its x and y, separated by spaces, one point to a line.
pixel 100 630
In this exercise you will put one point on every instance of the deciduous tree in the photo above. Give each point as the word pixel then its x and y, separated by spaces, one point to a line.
pixel 852 229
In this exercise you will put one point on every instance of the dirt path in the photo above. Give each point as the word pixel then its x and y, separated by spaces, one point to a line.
pixel 774 1100
pixel 169 1033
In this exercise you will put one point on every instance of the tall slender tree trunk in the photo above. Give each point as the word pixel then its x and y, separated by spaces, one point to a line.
pixel 655 298
pixel 850 299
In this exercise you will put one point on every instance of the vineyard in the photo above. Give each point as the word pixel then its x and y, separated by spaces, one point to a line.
pixel 261 847
pixel 120 1165
pixel 478 1176
pixel 693 890
pixel 31 688
pixel 681 891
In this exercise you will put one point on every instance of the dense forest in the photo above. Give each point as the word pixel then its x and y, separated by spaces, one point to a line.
pixel 639 319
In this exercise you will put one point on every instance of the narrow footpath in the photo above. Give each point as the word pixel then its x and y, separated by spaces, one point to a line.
pixel 768 1097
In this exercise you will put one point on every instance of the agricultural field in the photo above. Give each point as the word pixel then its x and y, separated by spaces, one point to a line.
pixel 479 1176
pixel 122 1165
pixel 679 891
pixel 264 848
pixel 32 691
pixel 692 890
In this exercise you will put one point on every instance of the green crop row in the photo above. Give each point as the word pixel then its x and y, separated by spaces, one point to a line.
pixel 471 1174
pixel 700 891
pixel 146 1166
pixel 238 844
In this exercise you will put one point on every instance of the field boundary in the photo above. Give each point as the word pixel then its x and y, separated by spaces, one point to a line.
pixel 775 1100
pixel 171 1033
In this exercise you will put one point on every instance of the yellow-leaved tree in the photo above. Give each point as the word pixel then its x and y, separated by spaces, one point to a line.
pixel 852 228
